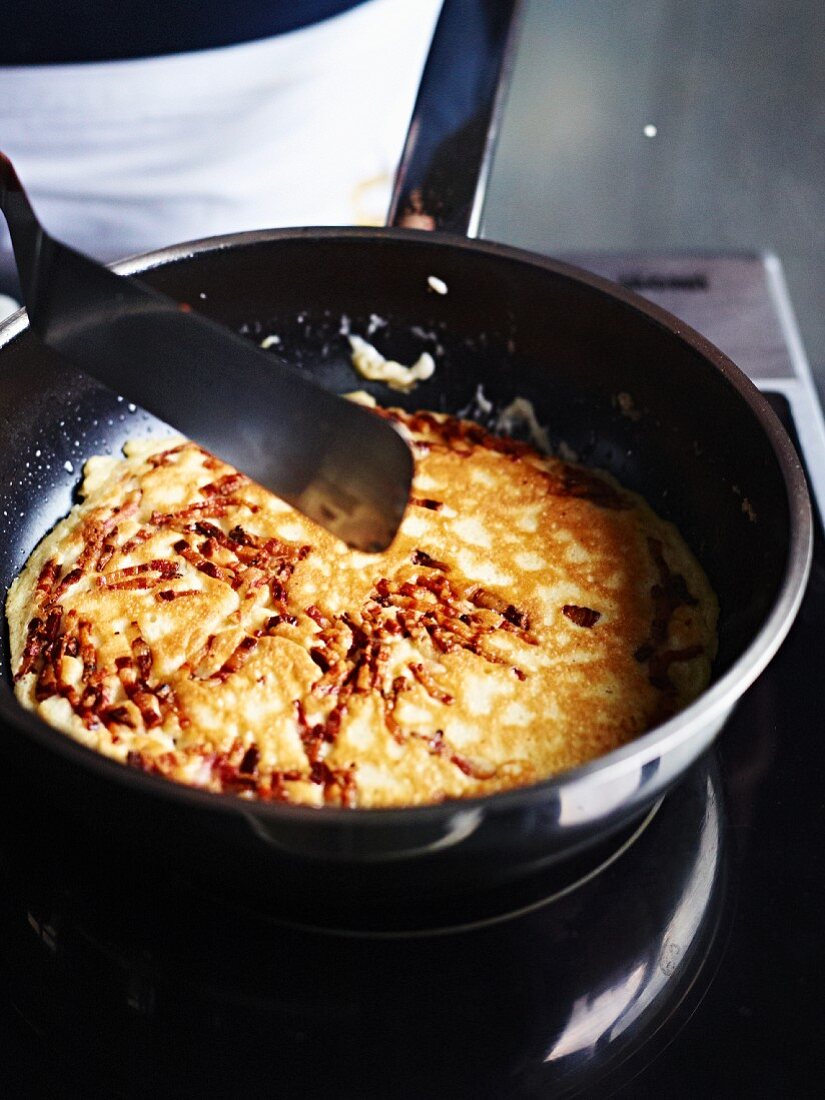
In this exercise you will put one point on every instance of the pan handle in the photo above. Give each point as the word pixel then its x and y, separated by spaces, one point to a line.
pixel 444 169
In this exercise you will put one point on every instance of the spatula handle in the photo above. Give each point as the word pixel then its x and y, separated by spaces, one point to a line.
pixel 442 177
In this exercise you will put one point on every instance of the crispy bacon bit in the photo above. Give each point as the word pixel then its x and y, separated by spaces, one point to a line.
pixel 320 772
pixel 348 787
pixel 318 616
pixel 249 763
pixel 127 510
pixel 215 537
pixel 87 651
pixel 224 486
pixel 309 739
pixel 169 705
pixel 46 580
pixel 581 616
pixel 338 783
pixel 46 684
pixel 134 583
pixel 52 626
pixel 233 782
pixel 141 535
pixel 97 531
pixel 390 699
pixel 214 509
pixel 167 594
pixel 427 502
pixel 149 708
pixel 275 790
pixel 167 569
pixel 106 554
pixel 71 578
pixel 320 658
pixel 46 645
pixel 31 649
pixel 91 703
pixel 121 715
pixel 136 685
pixel 191 555
pixel 138 692
pixel 142 655
pixel 239 536
pixel 430 686
pixel 237 659
pixel 480 597
pixel 93 535
pixel 275 621
pixel 515 620
pixel 278 590
pixel 332 726
pixel 421 557
pixel 64 638
pixel 122 578
pixel 314 738
pixel 210 531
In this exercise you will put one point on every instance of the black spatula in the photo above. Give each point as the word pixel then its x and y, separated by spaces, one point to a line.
pixel 336 462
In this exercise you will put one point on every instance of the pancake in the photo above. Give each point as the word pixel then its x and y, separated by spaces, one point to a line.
pixel 530 616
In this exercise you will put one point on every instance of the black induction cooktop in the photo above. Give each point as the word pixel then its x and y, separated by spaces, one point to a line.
pixel 685 961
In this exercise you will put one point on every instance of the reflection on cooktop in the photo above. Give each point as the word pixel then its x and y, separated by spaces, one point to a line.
pixel 131 983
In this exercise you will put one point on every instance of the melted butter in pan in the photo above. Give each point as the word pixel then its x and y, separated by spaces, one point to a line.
pixel 531 615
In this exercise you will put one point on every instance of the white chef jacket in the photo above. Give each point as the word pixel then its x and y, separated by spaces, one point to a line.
pixel 301 129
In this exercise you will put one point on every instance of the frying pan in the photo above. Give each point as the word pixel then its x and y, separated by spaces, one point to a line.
pixel 625 385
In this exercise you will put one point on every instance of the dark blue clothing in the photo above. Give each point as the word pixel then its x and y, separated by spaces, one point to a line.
pixel 64 31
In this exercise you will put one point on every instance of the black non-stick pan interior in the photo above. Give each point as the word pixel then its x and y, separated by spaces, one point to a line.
pixel 609 381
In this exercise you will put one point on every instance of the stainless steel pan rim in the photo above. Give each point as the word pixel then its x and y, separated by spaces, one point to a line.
pixel 708 711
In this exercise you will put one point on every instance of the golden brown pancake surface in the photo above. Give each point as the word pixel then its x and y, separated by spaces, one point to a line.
pixel 530 616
